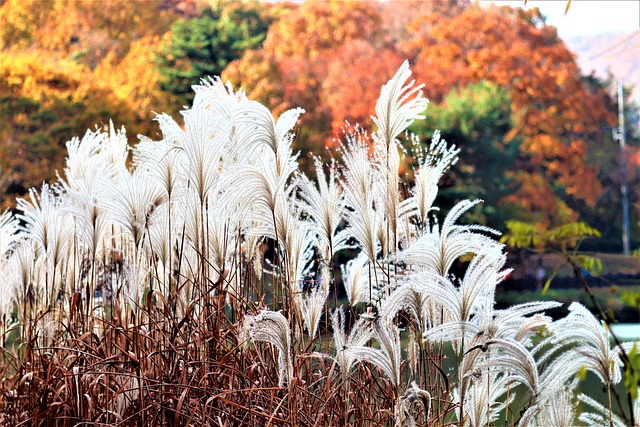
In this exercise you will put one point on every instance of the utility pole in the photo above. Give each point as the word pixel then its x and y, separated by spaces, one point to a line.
pixel 620 135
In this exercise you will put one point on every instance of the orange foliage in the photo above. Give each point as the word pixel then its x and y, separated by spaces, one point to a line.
pixel 555 109
pixel 353 82
pixel 302 50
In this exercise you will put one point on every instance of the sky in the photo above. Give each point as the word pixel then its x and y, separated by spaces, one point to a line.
pixel 585 17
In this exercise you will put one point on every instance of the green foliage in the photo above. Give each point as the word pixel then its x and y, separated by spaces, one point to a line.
pixel 205 45
pixel 522 235
pixel 563 237
pixel 632 372
pixel 590 263
pixel 631 298
pixel 477 118
pixel 568 235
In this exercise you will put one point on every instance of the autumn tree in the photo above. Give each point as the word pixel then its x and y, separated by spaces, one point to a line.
pixel 353 79
pixel 478 120
pixel 43 104
pixel 303 49
pixel 555 111
pixel 78 29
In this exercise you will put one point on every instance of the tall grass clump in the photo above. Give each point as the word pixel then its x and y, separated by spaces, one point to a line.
pixel 193 281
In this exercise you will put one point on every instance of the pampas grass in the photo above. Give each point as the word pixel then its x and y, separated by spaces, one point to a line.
pixel 193 285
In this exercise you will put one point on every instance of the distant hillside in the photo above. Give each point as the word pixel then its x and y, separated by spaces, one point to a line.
pixel 618 52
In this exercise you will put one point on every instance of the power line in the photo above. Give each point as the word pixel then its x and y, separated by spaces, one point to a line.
pixel 618 51
pixel 613 46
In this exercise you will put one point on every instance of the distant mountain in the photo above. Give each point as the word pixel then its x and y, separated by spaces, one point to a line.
pixel 615 52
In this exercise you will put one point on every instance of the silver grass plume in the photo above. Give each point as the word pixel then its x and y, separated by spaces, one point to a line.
pixel 437 250
pixel 388 358
pixel 136 275
pixel 48 224
pixel 312 305
pixel 389 188
pixel 410 297
pixel 20 269
pixel 114 149
pixel 592 344
pixel 482 405
pixel 359 176
pixel 272 327
pixel 358 337
pixel 513 357
pixel 601 415
pixel 558 409
pixel 85 162
pixel 324 204
pixel 161 162
pixel 356 280
pixel 413 395
pixel 130 201
pixel 477 287
pixel 253 122
pixel 399 104
pixel 8 233
pixel 91 220
pixel 432 164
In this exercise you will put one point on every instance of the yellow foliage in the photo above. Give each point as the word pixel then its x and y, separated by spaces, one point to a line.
pixel 135 80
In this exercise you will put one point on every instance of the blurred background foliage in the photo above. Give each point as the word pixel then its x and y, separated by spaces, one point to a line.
pixel 535 133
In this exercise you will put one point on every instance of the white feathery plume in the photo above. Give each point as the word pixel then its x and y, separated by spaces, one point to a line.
pixel 20 268
pixel 85 162
pixel 431 166
pixel 437 250
pixel 358 337
pixel 593 348
pixel 7 301
pixel 201 144
pixel 512 323
pixel 601 416
pixel 408 296
pixel 355 276
pixel 48 224
pixel 90 218
pixel 312 306
pixel 114 150
pixel 136 282
pixel 388 357
pixel 297 242
pixel 399 104
pixel 359 176
pixel 252 246
pixel 475 292
pixel 513 357
pixel 160 161
pixel 482 404
pixel 272 327
pixel 254 123
pixel 558 409
pixel 219 98
pixel 130 201
pixel 8 232
pixel 413 395
pixel 162 249
pixel 324 204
